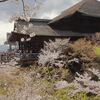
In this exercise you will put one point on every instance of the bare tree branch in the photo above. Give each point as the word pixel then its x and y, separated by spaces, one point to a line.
pixel 23 7
pixel 3 0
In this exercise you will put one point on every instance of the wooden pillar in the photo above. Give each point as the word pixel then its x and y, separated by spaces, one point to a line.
pixel 10 47
pixel 30 47
pixel 19 44
pixel 20 47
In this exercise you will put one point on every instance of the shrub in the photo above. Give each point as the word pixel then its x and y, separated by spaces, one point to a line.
pixel 52 53
pixel 3 89
pixel 82 50
pixel 97 50
pixel 84 87
pixel 53 74
pixel 95 39
pixel 75 56
pixel 63 95
pixel 87 83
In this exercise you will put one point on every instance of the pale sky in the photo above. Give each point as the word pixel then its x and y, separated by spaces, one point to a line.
pixel 49 9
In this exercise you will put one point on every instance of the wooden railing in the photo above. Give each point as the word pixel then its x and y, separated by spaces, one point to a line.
pixel 29 56
pixel 8 56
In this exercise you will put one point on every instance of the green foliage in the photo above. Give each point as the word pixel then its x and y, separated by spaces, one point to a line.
pixel 53 74
pixel 63 95
pixel 44 87
pixel 77 56
pixel 83 51
pixel 84 96
pixel 80 96
pixel 3 89
pixel 87 56
pixel 49 70
pixel 97 50
pixel 80 49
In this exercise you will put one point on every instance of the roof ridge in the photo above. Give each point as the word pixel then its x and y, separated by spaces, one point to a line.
pixel 81 3
pixel 85 1
pixel 36 19
pixel 70 10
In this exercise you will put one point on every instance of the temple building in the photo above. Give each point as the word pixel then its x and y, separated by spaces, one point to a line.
pixel 13 45
pixel 31 35
pixel 81 20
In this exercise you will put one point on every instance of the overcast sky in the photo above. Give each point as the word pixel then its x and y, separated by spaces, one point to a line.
pixel 49 9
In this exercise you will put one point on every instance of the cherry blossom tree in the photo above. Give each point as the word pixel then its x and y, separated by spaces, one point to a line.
pixel 52 53
pixel 28 9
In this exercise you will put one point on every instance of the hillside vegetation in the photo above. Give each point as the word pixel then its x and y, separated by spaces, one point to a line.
pixel 64 71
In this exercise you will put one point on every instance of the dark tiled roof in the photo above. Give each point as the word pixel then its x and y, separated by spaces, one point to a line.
pixel 86 7
pixel 38 27
pixel 36 20
pixel 41 28
pixel 71 33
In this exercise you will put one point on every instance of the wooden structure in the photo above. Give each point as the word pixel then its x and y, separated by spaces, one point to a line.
pixel 13 46
pixel 81 20
pixel 41 30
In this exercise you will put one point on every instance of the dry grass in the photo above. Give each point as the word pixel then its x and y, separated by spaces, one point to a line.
pixel 19 84
pixel 22 84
